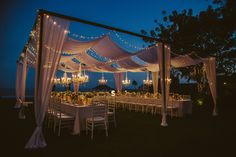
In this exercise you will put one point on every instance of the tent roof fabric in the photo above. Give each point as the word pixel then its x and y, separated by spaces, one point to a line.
pixel 104 47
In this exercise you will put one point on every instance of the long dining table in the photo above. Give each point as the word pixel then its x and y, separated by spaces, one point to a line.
pixel 81 112
pixel 184 106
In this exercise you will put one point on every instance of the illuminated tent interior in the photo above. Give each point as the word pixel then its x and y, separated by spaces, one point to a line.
pixel 49 49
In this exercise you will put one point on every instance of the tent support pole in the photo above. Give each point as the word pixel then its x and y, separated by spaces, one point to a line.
pixel 163 121
pixel 39 56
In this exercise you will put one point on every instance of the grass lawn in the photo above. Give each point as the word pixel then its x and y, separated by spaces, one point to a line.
pixel 137 134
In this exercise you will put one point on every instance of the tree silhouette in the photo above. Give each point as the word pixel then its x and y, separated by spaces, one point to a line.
pixel 134 83
pixel 212 32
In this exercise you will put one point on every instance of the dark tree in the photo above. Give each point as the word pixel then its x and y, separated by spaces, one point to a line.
pixel 134 83
pixel 210 33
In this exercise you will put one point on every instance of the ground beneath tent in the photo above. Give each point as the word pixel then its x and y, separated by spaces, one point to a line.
pixel 137 135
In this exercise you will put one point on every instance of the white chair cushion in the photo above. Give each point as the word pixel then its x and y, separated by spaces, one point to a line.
pixel 66 116
pixel 110 113
pixel 96 119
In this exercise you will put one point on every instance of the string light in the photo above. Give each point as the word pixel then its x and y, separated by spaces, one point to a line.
pixel 126 42
pixel 85 37
pixel 100 36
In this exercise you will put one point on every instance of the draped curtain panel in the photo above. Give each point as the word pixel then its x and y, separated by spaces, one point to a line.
pixel 155 81
pixel 23 79
pixel 183 61
pixel 53 37
pixel 164 80
pixel 18 83
pixel 118 77
pixel 210 69
pixel 22 87
pixel 149 55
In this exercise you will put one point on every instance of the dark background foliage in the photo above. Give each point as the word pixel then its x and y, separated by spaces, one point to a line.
pixel 212 32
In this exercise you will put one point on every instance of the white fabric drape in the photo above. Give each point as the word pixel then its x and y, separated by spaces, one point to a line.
pixel 184 60
pixel 149 55
pixel 155 81
pixel 54 33
pixel 107 48
pixel 118 77
pixel 23 78
pixel 21 73
pixel 165 81
pixel 18 84
pixel 21 114
pixel 128 63
pixel 210 69
pixel 72 46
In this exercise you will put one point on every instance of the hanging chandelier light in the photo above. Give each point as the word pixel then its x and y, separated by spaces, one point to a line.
pixel 80 77
pixel 147 82
pixel 102 81
pixel 126 82
pixel 86 78
pixel 65 80
pixel 56 80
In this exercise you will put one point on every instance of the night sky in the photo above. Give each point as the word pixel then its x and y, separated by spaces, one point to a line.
pixel 18 16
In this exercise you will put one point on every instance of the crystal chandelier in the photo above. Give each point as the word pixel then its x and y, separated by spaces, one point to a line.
pixel 102 81
pixel 80 77
pixel 65 80
pixel 147 81
pixel 126 82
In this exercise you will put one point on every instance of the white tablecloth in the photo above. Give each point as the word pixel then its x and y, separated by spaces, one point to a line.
pixel 185 107
pixel 81 112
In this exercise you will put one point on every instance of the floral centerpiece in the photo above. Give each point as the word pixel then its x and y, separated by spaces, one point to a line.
pixel 133 94
pixel 118 93
pixel 176 96
pixel 74 98
pixel 147 95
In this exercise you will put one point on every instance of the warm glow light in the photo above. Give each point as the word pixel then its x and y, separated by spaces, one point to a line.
pixel 200 102
pixel 80 77
pixel 56 80
pixel 102 81
pixel 126 82
pixel 168 80
pixel 65 80
pixel 147 81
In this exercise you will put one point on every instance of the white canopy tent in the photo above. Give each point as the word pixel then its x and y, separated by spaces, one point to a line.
pixel 49 42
